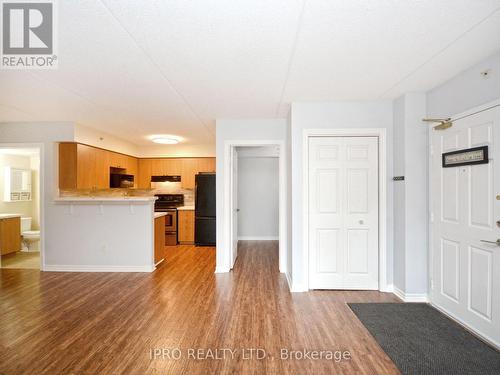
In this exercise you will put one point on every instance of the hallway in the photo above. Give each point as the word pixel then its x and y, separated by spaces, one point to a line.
pixel 112 322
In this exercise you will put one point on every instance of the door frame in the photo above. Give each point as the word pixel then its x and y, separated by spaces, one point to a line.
pixel 229 145
pixel 380 133
pixel 41 192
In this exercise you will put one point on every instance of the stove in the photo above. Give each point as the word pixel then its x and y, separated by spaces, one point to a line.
pixel 168 203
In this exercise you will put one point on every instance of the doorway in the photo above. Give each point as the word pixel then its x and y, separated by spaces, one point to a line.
pixel 20 208
pixel 256 194
pixel 253 153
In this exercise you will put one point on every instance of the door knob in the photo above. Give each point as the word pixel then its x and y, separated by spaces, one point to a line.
pixel 361 222
pixel 497 242
pixel 498 223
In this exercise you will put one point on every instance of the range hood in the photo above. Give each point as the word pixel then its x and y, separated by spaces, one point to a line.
pixel 165 178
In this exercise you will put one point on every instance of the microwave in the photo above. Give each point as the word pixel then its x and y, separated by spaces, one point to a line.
pixel 118 180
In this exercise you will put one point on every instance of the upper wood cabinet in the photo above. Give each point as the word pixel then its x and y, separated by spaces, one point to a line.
pixel 145 173
pixel 87 167
pixel 78 165
pixel 187 168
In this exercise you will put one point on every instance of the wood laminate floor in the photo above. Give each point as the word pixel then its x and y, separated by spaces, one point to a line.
pixel 109 323
pixel 21 259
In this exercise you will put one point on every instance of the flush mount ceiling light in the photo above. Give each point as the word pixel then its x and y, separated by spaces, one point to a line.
pixel 165 140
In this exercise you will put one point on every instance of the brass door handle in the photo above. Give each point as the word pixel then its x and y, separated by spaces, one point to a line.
pixel 497 242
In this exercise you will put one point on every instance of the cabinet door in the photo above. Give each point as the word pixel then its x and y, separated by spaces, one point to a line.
pixel 10 235
pixel 159 239
pixel 186 226
pixel 118 160
pixel 132 166
pixel 206 164
pixel 173 167
pixel 189 168
pixel 102 168
pixel 86 171
pixel 158 167
pixel 67 166
pixel 144 179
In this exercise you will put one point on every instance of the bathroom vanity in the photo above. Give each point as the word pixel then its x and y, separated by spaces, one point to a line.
pixel 10 233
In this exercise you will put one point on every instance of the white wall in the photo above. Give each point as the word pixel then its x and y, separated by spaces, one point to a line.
pixel 399 195
pixel 46 134
pixel 97 138
pixel 113 236
pixel 237 130
pixel 333 115
pixel 258 197
pixel 410 195
pixel 467 90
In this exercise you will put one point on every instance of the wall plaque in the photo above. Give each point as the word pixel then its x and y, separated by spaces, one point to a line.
pixel 469 156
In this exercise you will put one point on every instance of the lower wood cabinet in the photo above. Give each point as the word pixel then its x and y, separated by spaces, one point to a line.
pixel 185 226
pixel 10 235
pixel 159 239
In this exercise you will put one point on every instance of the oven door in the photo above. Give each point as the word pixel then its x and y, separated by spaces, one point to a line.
pixel 171 221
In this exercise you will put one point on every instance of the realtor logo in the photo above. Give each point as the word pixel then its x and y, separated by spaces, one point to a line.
pixel 28 37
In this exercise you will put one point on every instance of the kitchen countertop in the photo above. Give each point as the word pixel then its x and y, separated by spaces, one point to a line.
pixel 186 208
pixel 105 199
pixel 160 214
pixel 9 216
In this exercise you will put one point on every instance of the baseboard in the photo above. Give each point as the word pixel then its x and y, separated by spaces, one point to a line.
pixel 221 270
pixel 296 287
pixel 85 268
pixel 258 238
pixel 289 280
pixel 389 288
pixel 410 297
pixel 459 321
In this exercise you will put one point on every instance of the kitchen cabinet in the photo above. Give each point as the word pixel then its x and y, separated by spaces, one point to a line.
pixel 10 235
pixel 187 168
pixel 86 167
pixel 145 173
pixel 159 239
pixel 185 226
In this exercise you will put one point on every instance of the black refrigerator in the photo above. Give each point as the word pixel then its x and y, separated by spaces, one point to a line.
pixel 204 223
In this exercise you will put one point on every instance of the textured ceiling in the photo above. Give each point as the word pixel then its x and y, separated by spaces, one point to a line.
pixel 137 68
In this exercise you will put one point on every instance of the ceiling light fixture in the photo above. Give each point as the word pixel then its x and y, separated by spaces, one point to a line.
pixel 165 140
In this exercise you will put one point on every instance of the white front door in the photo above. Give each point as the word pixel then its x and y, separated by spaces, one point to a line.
pixel 234 205
pixel 343 212
pixel 465 278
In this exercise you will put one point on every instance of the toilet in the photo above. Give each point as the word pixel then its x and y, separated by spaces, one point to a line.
pixel 29 237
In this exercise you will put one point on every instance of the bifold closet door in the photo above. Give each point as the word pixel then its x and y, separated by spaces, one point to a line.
pixel 343 212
